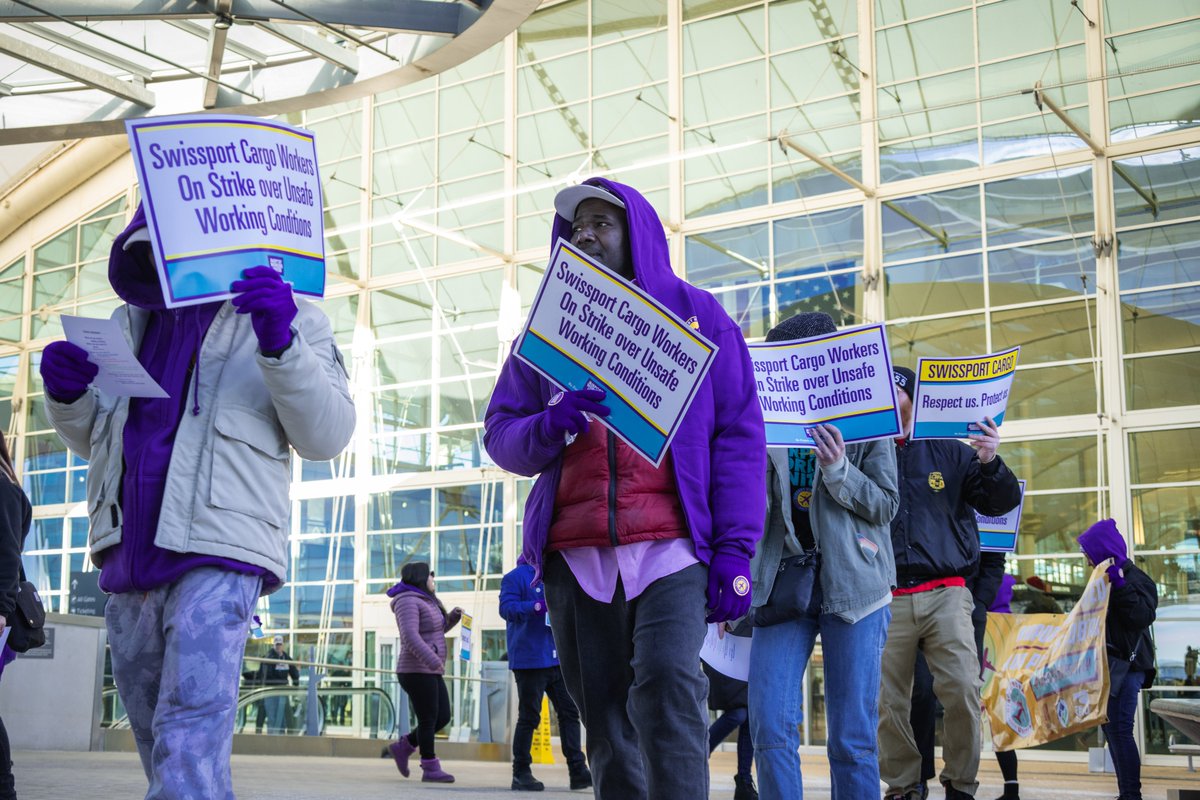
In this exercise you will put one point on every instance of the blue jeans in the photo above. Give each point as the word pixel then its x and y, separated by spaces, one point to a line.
pixel 276 713
pixel 1122 707
pixel 851 656
pixel 725 724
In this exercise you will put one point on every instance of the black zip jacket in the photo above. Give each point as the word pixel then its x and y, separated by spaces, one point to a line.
pixel 942 484
pixel 1131 610
pixel 15 513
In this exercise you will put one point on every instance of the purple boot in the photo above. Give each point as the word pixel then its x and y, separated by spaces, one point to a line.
pixel 400 751
pixel 433 772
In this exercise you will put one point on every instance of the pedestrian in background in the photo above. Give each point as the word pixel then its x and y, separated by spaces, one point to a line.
pixel 728 696
pixel 274 671
pixel 420 664
pixel 15 513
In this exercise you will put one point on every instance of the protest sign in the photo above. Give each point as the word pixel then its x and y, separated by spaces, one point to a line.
pixel 953 395
pixel 224 193
pixel 1046 675
pixel 843 378
pixel 588 328
pixel 464 638
pixel 999 534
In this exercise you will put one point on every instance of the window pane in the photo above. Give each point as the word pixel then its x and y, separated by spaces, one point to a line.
pixel 400 509
pixel 1053 391
pixel 1039 206
pixel 918 226
pixel 937 338
pixel 1164 456
pixel 1170 179
pixel 1159 256
pixel 1164 320
pixel 1053 463
pixel 1049 333
pixel 941 285
pixel 1162 381
pixel 387 553
pixel 1041 272
pixel 819 242
pixel 729 257
pixel 839 296
pixel 1050 522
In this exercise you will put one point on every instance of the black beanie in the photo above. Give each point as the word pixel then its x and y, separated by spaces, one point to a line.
pixel 802 326
pixel 905 378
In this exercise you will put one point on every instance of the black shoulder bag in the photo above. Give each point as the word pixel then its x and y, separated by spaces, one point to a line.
pixel 792 593
pixel 28 620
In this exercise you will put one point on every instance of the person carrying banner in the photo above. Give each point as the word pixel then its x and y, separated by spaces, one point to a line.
pixel 631 554
pixel 834 503
pixel 936 541
pixel 189 493
pixel 533 659
pixel 1132 608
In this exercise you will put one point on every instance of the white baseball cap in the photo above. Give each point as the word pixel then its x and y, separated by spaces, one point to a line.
pixel 142 234
pixel 278 639
pixel 566 201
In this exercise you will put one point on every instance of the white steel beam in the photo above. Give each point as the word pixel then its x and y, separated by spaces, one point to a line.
pixel 319 46
pixel 73 70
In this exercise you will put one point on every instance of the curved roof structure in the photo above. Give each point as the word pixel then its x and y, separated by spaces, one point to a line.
pixel 78 68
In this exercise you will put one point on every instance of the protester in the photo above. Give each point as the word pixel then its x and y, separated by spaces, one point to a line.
pixel 936 541
pixel 276 673
pixel 420 663
pixel 1007 759
pixel 833 503
pixel 728 696
pixel 1132 608
pixel 15 513
pixel 189 493
pixel 1041 601
pixel 533 659
pixel 630 553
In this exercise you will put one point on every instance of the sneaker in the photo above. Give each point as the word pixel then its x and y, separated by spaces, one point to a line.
pixel 525 782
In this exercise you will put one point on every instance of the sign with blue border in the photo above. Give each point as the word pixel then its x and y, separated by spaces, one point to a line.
pixel 999 534
pixel 842 378
pixel 225 193
pixel 589 328
pixel 953 395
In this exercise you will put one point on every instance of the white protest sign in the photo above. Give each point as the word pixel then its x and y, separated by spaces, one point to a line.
pixel 843 378
pixel 121 374
pixel 222 194
pixel 999 534
pixel 953 395
pixel 590 328
pixel 464 638
pixel 728 654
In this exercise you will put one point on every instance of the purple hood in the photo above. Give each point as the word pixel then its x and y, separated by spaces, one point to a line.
pixel 1103 541
pixel 719 452
pixel 1004 595
pixel 402 587
pixel 132 272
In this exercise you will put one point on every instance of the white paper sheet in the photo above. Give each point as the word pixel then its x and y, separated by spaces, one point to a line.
pixel 728 655
pixel 121 374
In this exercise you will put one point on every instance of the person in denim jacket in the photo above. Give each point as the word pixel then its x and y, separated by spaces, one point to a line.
pixel 838 500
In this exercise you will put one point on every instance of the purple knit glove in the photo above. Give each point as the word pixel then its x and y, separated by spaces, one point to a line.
pixel 268 300
pixel 66 371
pixel 728 586
pixel 1116 576
pixel 564 413
pixel 539 606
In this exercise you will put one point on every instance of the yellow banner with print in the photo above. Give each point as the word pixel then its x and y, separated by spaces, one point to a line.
pixel 1046 675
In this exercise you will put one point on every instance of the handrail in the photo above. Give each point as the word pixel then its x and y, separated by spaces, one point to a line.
pixel 264 659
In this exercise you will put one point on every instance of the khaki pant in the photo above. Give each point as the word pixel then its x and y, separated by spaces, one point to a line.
pixel 939 621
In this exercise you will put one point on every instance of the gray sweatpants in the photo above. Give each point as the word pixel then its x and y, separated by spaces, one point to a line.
pixel 177 657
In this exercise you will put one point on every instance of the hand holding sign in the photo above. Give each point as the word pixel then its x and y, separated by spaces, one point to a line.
pixel 830 447
pixel 986 441
pixel 263 295
pixel 566 413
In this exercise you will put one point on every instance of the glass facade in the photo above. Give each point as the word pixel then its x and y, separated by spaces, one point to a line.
pixel 875 160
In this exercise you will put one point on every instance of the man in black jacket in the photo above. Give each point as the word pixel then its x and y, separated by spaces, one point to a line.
pixel 276 673
pixel 936 544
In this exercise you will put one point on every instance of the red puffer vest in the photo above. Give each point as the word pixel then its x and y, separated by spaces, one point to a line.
pixel 609 495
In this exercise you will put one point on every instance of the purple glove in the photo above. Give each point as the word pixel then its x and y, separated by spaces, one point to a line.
pixel 1116 576
pixel 539 606
pixel 564 412
pixel 728 586
pixel 268 300
pixel 66 371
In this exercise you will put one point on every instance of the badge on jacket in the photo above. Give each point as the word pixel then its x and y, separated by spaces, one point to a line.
pixel 936 482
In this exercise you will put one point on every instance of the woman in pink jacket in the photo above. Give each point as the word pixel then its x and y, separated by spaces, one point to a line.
pixel 420 663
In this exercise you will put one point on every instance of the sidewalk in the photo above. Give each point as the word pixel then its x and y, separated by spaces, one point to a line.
pixel 62 776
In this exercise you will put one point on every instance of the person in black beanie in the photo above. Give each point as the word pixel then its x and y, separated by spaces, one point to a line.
pixel 941 598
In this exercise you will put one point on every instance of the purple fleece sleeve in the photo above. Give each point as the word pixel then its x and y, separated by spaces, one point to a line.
pixel 513 432
pixel 738 452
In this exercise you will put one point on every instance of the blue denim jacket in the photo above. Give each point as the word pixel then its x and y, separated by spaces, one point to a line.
pixel 852 510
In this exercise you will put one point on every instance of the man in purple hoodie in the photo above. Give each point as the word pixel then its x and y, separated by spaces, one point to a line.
pixel 632 555
pixel 188 494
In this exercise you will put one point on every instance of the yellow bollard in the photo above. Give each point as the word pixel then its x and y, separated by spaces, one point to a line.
pixel 541 752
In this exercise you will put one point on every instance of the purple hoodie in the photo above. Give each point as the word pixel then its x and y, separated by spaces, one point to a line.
pixel 719 452
pixel 170 352
pixel 1003 602
pixel 1103 541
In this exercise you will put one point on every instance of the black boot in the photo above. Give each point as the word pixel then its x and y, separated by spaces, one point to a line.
pixel 523 781
pixel 956 794
pixel 1011 791
pixel 581 777
pixel 744 788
